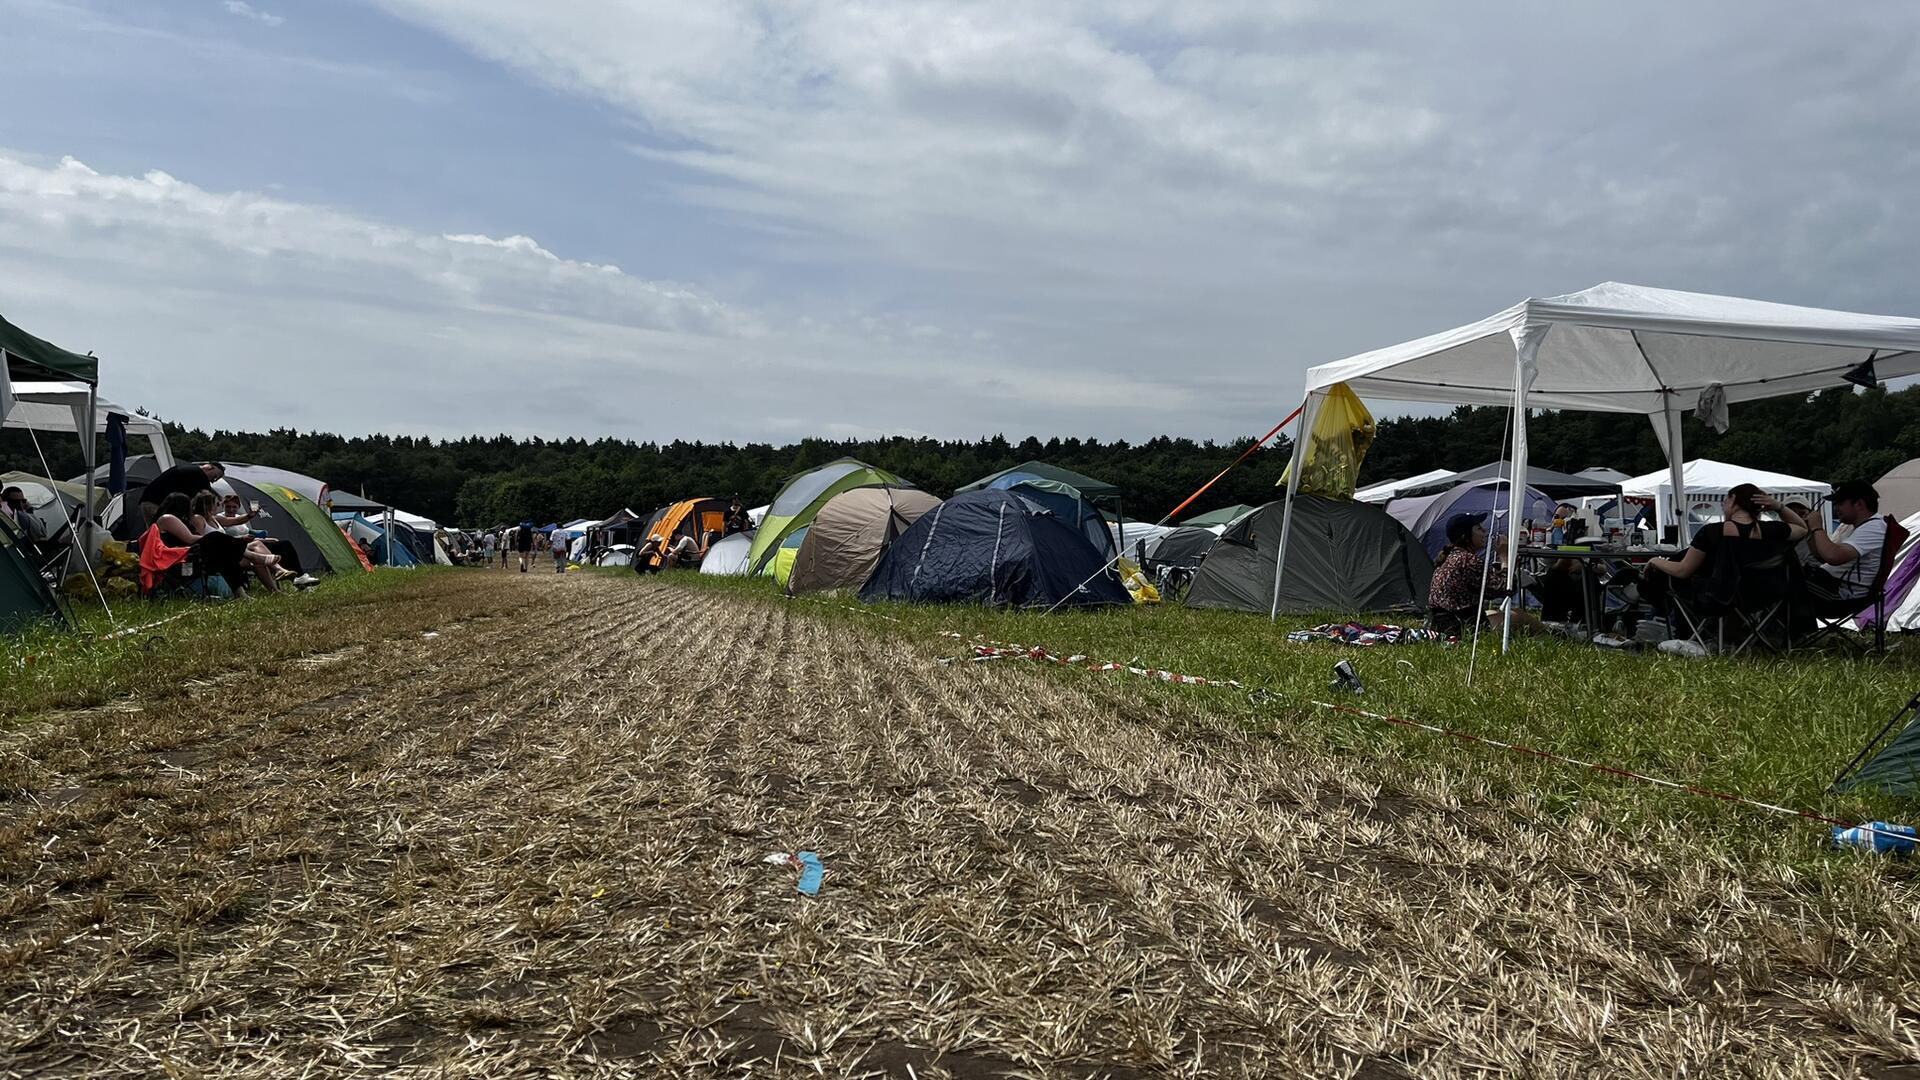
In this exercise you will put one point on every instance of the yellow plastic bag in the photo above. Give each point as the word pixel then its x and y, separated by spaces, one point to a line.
pixel 1336 445
pixel 1137 584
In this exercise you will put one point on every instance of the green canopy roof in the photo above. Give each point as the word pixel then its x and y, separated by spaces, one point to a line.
pixel 1087 486
pixel 29 357
pixel 1223 516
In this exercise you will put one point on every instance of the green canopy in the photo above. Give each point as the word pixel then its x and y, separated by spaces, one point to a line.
pixel 30 358
pixel 1089 488
pixel 1223 516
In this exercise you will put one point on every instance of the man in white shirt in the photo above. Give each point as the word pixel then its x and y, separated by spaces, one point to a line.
pixel 1843 568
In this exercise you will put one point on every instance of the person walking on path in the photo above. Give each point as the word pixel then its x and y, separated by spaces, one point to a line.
pixel 559 553
pixel 487 543
pixel 523 543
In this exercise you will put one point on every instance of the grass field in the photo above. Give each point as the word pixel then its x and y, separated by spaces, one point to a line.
pixel 304 834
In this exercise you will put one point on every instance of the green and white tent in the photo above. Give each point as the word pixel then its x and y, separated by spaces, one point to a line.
pixel 802 497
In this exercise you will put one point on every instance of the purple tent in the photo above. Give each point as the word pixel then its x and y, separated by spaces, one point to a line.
pixel 1426 516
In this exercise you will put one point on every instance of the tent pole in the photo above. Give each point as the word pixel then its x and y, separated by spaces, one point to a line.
pixel 1307 415
pixel 87 443
pixel 1526 340
pixel 1677 476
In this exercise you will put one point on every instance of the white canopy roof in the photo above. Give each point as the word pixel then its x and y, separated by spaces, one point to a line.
pixel 62 406
pixel 1705 478
pixel 1390 490
pixel 1632 349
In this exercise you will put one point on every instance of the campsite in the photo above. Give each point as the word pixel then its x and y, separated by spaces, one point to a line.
pixel 958 540
pixel 1082 793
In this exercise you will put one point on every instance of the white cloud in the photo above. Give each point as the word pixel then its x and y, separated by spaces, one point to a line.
pixel 248 11
pixel 236 309
pixel 1188 163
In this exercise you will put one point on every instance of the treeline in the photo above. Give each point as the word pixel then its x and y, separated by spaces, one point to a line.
pixel 1835 435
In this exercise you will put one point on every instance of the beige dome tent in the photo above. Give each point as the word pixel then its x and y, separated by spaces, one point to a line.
pixel 1900 490
pixel 850 534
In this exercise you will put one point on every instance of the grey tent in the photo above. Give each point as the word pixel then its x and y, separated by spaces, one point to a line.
pixel 1343 558
pixel 850 534
pixel 1185 547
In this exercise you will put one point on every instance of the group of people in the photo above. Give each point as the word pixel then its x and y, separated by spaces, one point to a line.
pixel 187 520
pixel 659 553
pixel 526 541
pixel 1761 551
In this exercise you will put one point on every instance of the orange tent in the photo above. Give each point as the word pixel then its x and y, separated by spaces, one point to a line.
pixel 696 518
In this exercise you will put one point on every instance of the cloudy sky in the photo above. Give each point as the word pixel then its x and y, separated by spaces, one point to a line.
pixel 734 220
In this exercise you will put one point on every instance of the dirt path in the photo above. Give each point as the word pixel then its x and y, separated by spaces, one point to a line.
pixel 487 854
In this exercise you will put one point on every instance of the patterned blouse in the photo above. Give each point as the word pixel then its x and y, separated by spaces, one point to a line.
pixel 1456 581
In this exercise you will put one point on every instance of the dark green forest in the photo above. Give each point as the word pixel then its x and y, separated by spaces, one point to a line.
pixel 1834 435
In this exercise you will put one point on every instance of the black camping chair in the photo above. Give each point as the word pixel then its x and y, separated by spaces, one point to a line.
pixel 1755 598
pixel 1831 619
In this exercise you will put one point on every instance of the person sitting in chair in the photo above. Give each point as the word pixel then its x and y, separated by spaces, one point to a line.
pixel 1454 597
pixel 1844 567
pixel 1720 555
pixel 19 513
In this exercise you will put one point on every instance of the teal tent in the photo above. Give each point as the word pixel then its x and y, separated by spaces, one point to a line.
pixel 1090 489
pixel 1895 770
pixel 24 595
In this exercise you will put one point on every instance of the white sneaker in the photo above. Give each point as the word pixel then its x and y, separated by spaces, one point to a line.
pixel 305 581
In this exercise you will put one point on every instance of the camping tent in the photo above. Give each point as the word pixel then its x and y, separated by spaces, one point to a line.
pixel 1706 483
pixel 288 506
pixel 1426 516
pixel 851 533
pixel 1067 495
pixel 780 567
pixel 694 518
pixel 1393 489
pixel 1552 484
pixel 1625 349
pixel 1226 515
pixel 1348 558
pixel 1138 533
pixel 802 496
pixel 25 597
pixel 991 547
pixel 1602 473
pixel 1185 547
pixel 1900 490
pixel 385 551
pixel 55 504
pixel 313 490
pixel 729 556
pixel 77 408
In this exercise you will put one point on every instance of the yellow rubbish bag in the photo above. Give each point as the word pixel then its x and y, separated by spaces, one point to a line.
pixel 1137 584
pixel 1336 445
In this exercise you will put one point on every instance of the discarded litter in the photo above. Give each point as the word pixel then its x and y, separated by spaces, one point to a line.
pixel 1880 836
pixel 1345 678
pixel 807 864
pixel 431 633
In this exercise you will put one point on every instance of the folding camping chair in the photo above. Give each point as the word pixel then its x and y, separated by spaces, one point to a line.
pixel 1759 607
pixel 1830 620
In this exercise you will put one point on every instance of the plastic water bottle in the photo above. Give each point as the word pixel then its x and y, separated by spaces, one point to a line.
pixel 1878 836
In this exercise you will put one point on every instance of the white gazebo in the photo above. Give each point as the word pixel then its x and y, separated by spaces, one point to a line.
pixel 1707 482
pixel 1389 491
pixel 1624 349
pixel 78 409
